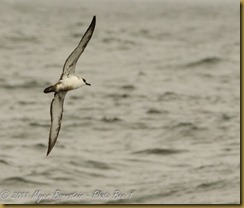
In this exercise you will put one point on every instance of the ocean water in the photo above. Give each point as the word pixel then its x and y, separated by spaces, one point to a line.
pixel 160 123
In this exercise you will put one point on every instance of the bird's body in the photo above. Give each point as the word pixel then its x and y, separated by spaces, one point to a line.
pixel 66 84
pixel 68 81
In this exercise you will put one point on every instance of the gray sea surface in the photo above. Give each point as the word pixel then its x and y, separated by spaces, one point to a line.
pixel 160 123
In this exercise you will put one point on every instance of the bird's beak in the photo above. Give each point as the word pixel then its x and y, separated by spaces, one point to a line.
pixel 88 84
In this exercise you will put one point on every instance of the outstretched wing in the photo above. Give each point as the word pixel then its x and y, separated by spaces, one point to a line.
pixel 56 111
pixel 69 65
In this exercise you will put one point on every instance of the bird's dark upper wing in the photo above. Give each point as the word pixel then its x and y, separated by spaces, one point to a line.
pixel 56 111
pixel 69 65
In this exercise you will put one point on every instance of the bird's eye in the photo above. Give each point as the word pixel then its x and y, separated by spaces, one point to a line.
pixel 84 80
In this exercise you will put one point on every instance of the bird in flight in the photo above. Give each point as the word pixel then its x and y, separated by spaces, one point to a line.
pixel 68 81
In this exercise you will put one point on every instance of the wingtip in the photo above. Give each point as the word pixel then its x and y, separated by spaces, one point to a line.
pixel 50 147
pixel 48 151
pixel 94 19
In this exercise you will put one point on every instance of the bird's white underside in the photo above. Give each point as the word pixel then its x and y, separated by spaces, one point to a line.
pixel 69 83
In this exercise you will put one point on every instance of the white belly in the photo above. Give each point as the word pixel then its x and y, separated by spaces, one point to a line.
pixel 69 83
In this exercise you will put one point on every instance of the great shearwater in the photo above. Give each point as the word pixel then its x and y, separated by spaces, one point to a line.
pixel 68 81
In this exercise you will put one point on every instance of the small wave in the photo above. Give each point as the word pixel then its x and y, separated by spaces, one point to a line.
pixel 35 124
pixel 40 146
pixel 141 73
pixel 204 61
pixel 154 111
pixel 80 24
pixel 140 125
pixel 144 32
pixel 159 151
pixel 202 167
pixel 53 66
pixel 98 165
pixel 226 117
pixel 75 97
pixel 25 85
pixel 119 96
pixel 111 119
pixel 186 128
pixel 4 162
pixel 168 96
pixel 185 125
pixel 22 38
pixel 24 102
pixel 19 181
pixel 211 185
pixel 128 87
pixel 118 40
pixel 148 34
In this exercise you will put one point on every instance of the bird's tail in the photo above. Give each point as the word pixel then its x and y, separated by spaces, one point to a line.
pixel 49 89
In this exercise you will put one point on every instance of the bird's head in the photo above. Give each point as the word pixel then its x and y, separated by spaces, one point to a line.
pixel 86 83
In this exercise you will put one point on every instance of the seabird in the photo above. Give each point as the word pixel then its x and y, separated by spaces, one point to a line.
pixel 68 81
